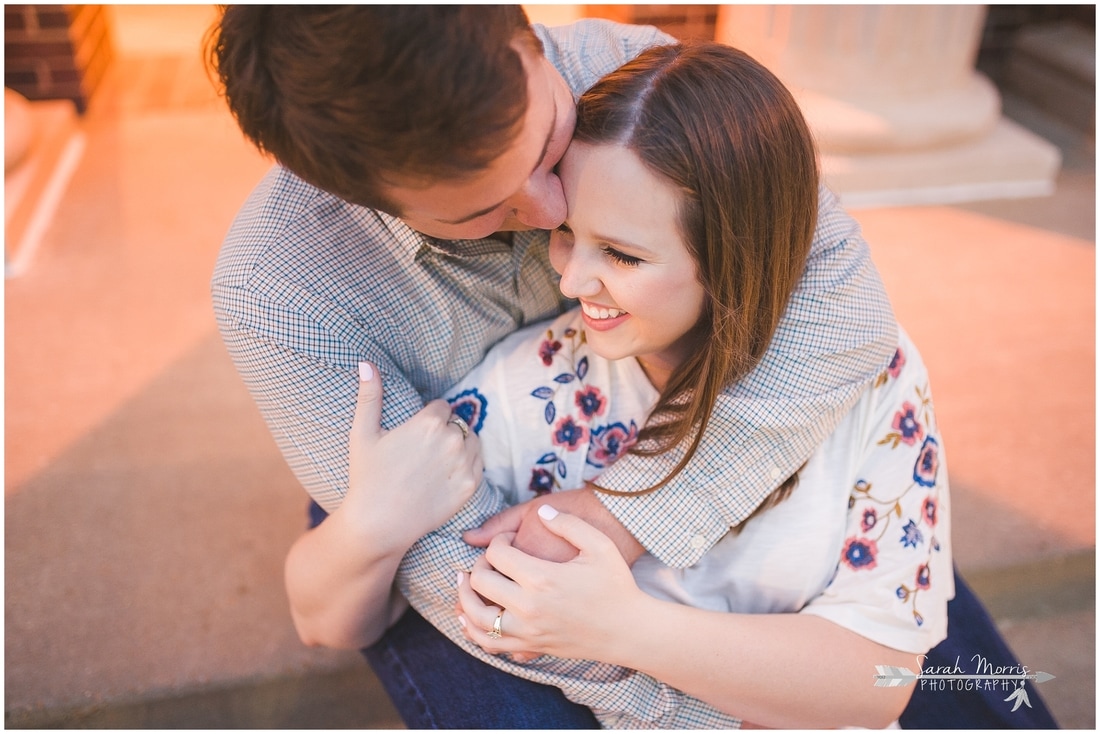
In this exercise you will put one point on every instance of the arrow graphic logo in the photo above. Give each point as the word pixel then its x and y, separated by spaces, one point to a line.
pixel 891 676
pixel 1020 696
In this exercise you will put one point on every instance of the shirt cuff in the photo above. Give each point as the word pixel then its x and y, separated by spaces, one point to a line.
pixel 485 502
pixel 674 524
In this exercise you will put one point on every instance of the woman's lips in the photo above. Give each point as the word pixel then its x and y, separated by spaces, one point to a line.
pixel 602 318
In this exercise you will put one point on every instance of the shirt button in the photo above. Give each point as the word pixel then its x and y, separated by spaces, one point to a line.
pixel 775 472
pixel 698 542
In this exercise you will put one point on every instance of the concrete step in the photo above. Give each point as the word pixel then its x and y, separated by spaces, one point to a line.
pixel 1038 590
pixel 1045 609
pixel 344 699
pixel 1053 66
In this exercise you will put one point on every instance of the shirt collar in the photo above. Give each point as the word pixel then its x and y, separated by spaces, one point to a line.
pixel 411 245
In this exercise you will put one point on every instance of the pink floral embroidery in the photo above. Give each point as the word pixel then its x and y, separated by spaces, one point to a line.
pixel 928 463
pixel 548 349
pixel 929 510
pixel 906 424
pixel 591 402
pixel 924 577
pixel 611 442
pixel 896 363
pixel 569 433
pixel 860 554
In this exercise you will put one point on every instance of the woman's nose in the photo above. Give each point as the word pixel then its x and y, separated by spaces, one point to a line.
pixel 578 278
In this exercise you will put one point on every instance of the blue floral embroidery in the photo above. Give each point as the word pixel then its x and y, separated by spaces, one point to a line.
pixel 924 577
pixel 611 442
pixel 548 349
pixel 568 433
pixel 553 458
pixel 569 428
pixel 896 363
pixel 860 553
pixel 928 463
pixel 542 481
pixel 471 406
pixel 928 510
pixel 590 401
pixel 907 427
pixel 906 423
pixel 911 535
pixel 893 369
pixel 913 429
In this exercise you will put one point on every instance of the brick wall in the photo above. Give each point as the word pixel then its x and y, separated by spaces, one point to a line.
pixel 681 21
pixel 56 51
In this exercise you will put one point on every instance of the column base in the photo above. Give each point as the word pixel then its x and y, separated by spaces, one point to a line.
pixel 1009 162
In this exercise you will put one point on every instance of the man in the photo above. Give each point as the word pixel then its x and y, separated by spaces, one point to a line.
pixel 404 227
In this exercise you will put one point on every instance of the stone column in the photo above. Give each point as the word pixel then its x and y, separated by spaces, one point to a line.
pixel 899 111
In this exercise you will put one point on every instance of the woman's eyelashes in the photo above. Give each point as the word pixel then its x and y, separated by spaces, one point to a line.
pixel 620 257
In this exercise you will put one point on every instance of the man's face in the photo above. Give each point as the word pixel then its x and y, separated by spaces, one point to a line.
pixel 521 189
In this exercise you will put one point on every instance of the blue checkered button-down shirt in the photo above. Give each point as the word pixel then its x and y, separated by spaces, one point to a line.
pixel 307 286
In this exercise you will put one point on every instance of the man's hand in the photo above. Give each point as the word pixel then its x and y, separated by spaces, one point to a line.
pixel 533 538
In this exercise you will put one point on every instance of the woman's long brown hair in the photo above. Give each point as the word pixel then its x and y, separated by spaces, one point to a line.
pixel 731 138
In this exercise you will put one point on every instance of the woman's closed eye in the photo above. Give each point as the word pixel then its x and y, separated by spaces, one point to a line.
pixel 563 230
pixel 620 257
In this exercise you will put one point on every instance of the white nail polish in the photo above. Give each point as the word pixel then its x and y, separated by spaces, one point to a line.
pixel 546 512
pixel 366 372
pixel 462 621
pixel 460 577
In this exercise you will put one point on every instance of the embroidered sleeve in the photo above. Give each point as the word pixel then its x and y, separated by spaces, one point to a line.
pixel 894 576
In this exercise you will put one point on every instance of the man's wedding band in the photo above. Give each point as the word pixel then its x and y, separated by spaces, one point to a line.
pixel 495 633
pixel 462 425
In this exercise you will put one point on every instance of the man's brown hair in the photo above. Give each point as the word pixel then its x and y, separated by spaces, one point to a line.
pixel 728 136
pixel 355 98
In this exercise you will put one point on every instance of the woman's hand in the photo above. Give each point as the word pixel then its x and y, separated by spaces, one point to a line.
pixel 408 481
pixel 575 609
pixel 534 538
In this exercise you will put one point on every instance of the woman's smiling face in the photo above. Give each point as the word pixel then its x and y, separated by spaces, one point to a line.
pixel 622 255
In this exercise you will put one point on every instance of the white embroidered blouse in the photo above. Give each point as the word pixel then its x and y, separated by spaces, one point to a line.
pixel 863 540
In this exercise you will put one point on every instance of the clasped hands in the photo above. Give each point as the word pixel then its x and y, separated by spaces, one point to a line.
pixel 558 578
pixel 560 585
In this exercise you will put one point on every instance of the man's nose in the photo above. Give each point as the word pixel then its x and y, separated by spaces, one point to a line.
pixel 541 202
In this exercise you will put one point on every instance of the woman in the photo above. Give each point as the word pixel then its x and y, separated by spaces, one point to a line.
pixel 691 183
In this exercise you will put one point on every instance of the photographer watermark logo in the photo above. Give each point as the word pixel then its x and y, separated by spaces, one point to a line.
pixel 953 678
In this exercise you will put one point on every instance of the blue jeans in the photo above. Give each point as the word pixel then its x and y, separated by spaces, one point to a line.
pixel 971 631
pixel 434 684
